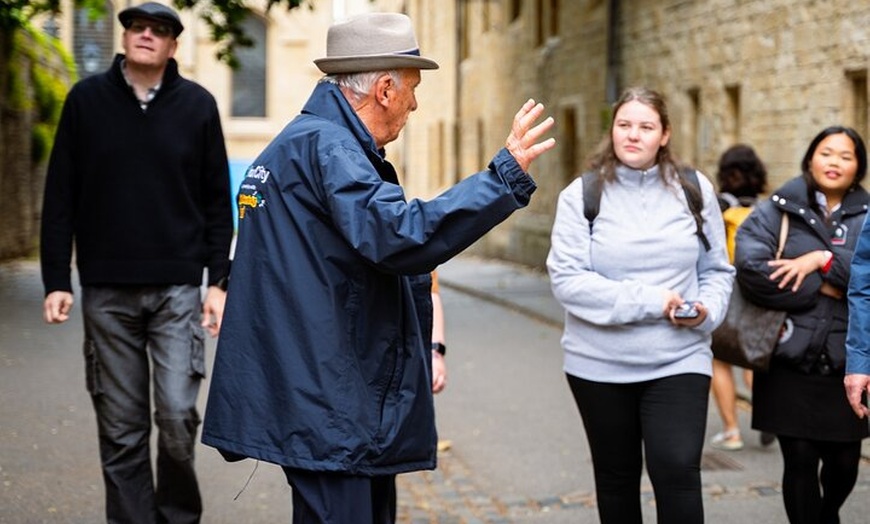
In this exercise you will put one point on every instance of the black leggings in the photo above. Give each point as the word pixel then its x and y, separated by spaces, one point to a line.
pixel 664 419
pixel 811 496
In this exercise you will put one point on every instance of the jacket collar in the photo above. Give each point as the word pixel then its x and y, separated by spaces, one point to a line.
pixel 793 196
pixel 328 102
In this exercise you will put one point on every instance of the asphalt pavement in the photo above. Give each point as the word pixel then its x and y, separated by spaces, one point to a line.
pixel 513 449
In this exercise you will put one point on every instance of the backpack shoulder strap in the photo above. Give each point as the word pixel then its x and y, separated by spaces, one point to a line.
pixel 696 203
pixel 592 200
pixel 591 196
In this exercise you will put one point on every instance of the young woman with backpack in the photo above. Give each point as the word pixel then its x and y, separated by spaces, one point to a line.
pixel 640 374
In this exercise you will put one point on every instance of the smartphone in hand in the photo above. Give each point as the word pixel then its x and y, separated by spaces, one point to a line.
pixel 686 310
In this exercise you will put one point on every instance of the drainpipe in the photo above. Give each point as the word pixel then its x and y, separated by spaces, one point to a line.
pixel 457 142
pixel 611 77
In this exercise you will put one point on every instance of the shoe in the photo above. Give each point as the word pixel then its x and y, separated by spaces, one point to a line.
pixel 727 440
pixel 767 438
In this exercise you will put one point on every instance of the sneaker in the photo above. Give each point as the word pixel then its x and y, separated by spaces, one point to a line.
pixel 727 440
pixel 767 438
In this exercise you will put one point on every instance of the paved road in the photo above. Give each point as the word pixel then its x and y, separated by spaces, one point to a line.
pixel 517 452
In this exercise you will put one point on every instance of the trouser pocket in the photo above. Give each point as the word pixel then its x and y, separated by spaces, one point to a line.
pixel 92 368
pixel 197 352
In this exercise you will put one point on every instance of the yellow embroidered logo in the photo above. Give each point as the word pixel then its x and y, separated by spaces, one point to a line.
pixel 252 201
pixel 249 196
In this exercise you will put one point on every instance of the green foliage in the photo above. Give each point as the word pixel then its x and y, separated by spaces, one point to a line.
pixel 41 137
pixel 224 19
pixel 15 14
pixel 29 65
pixel 16 77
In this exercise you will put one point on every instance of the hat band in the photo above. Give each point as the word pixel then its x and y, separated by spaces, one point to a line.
pixel 415 52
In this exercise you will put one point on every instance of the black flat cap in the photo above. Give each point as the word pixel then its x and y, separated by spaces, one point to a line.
pixel 154 11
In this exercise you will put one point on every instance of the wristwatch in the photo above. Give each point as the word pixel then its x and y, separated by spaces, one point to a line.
pixel 223 283
pixel 440 348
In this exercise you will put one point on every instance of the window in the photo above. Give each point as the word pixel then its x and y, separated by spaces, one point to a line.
pixel 513 9
pixel 553 16
pixel 858 100
pixel 438 156
pixel 464 31
pixel 482 153
pixel 695 123
pixel 93 41
pixel 249 79
pixel 569 145
pixel 547 19
pixel 732 132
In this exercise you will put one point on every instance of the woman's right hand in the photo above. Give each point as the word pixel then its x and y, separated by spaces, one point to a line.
pixel 795 270
pixel 672 300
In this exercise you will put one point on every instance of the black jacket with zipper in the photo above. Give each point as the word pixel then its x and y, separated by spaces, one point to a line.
pixel 813 340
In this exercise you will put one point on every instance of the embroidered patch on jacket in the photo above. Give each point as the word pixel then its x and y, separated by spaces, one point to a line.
pixel 838 238
pixel 250 196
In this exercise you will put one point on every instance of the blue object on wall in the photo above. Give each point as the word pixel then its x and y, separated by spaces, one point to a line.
pixel 238 168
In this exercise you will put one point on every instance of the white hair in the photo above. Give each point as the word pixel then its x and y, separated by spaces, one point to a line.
pixel 359 84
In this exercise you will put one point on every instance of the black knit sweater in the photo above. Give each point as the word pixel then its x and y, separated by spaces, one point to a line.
pixel 144 196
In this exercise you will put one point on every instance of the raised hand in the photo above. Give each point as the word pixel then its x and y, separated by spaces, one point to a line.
pixel 521 142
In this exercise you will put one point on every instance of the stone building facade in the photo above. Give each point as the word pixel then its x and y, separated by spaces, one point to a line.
pixel 770 73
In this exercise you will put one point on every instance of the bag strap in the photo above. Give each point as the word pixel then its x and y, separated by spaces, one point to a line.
pixel 783 234
pixel 592 200
pixel 696 204
pixel 591 196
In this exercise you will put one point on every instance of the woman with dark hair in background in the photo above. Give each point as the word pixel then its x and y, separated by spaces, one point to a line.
pixel 741 178
pixel 800 398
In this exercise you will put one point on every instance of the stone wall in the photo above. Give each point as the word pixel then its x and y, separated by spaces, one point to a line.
pixel 21 178
pixel 771 73
pixel 17 198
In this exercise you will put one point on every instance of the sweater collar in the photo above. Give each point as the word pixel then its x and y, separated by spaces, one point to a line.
pixel 170 73
pixel 635 177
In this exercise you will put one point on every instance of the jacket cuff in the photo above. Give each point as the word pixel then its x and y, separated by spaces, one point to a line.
pixel 53 283
pixel 522 184
pixel 856 364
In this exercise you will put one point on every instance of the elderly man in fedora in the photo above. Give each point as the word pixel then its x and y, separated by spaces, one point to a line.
pixel 323 366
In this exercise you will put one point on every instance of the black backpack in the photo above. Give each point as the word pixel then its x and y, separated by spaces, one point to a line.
pixel 592 199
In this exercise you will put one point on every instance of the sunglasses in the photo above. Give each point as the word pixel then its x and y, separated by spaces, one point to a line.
pixel 157 29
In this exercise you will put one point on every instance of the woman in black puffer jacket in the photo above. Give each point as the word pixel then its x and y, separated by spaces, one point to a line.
pixel 801 399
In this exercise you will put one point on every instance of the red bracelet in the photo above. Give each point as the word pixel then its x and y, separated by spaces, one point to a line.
pixel 829 262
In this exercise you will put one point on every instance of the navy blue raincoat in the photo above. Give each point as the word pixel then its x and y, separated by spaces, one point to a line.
pixel 323 362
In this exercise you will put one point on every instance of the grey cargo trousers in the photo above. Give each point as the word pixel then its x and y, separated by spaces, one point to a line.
pixel 136 337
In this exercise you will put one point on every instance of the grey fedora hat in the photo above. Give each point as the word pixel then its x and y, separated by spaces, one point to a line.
pixel 152 11
pixel 372 42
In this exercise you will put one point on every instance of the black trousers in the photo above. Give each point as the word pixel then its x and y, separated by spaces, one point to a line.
pixel 335 498
pixel 663 420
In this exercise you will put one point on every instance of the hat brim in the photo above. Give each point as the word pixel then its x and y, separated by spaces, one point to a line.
pixel 365 63
pixel 126 18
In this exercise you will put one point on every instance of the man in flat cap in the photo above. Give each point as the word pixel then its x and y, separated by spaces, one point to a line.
pixel 324 366
pixel 138 181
